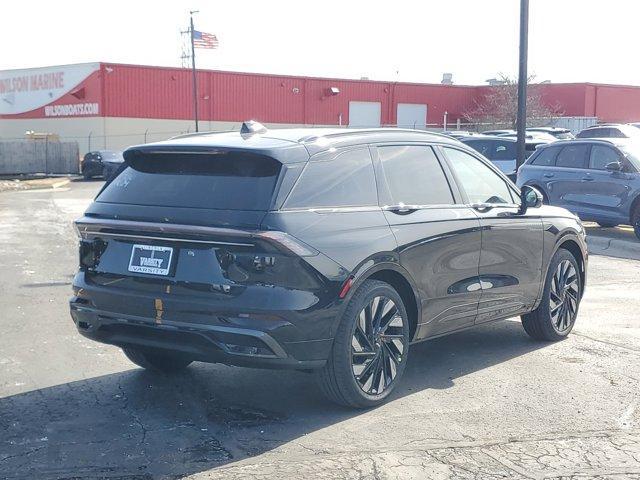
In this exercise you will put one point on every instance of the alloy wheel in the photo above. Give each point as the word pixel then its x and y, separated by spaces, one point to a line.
pixel 377 345
pixel 564 296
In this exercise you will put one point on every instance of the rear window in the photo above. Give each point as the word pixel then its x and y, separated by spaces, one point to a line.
pixel 414 176
pixel 573 156
pixel 227 181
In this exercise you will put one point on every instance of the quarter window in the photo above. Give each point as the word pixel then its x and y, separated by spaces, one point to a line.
pixel 481 183
pixel 345 180
pixel 546 158
pixel 573 156
pixel 414 176
pixel 601 156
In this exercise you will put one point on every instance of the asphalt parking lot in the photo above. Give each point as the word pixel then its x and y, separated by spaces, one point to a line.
pixel 485 403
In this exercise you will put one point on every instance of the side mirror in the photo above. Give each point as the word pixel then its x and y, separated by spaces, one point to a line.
pixel 529 198
pixel 613 167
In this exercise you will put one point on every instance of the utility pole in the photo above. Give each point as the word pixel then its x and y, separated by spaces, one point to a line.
pixel 193 67
pixel 521 120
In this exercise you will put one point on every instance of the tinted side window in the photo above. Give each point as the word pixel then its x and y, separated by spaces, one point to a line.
pixel 593 133
pixel 481 184
pixel 546 158
pixel 481 147
pixel 616 133
pixel 573 156
pixel 345 180
pixel 414 176
pixel 503 151
pixel 601 155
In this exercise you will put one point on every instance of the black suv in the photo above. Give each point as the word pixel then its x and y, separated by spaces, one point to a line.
pixel 318 249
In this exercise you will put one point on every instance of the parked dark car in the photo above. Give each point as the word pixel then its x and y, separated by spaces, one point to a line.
pixel 537 136
pixel 499 132
pixel 596 179
pixel 326 250
pixel 100 163
pixel 558 132
pixel 501 150
pixel 461 133
pixel 610 131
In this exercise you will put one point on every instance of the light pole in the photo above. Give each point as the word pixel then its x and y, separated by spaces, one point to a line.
pixel 521 120
pixel 193 66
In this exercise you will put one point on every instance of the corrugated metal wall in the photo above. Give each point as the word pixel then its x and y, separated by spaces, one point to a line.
pixel 155 92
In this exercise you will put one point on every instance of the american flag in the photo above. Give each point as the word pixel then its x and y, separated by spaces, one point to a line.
pixel 204 40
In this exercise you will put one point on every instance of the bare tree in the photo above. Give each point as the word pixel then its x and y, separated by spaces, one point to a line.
pixel 499 107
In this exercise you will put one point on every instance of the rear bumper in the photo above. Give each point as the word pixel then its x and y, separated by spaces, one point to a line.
pixel 214 344
pixel 205 331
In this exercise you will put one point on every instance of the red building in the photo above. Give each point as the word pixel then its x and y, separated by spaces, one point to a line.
pixel 106 105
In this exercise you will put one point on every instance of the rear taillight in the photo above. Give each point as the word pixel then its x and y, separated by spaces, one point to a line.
pixel 90 252
pixel 288 242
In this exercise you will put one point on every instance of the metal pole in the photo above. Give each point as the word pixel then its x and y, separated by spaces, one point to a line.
pixel 444 122
pixel 193 67
pixel 521 120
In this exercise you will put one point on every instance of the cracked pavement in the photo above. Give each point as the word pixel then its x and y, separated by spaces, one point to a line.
pixel 486 403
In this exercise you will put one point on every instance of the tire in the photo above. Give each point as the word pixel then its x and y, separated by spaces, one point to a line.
pixel 157 360
pixel 359 372
pixel 607 224
pixel 635 221
pixel 563 292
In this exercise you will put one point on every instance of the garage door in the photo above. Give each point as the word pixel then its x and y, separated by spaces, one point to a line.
pixel 412 115
pixel 364 114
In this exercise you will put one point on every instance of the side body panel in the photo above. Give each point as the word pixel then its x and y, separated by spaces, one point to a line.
pixel 510 263
pixel 440 248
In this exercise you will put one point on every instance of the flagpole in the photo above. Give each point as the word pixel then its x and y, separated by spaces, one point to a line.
pixel 193 68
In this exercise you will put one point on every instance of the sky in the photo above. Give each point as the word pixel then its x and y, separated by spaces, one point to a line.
pixel 417 41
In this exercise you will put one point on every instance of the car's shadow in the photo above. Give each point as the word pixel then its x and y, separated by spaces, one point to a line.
pixel 135 424
pixel 623 232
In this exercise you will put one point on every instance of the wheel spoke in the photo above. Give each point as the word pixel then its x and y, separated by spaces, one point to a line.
pixel 374 307
pixel 389 314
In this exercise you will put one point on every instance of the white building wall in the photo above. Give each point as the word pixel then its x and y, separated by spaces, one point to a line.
pixel 113 133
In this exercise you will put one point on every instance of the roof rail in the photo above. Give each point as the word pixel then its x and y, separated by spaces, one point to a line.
pixel 197 134
pixel 369 131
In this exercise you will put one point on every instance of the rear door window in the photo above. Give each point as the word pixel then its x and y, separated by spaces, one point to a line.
pixel 345 179
pixel 573 156
pixel 601 155
pixel 413 176
pixel 229 181
pixel 503 150
pixel 480 146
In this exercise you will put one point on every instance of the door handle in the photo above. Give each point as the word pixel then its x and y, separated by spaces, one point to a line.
pixel 587 179
pixel 401 209
pixel 548 175
pixel 482 207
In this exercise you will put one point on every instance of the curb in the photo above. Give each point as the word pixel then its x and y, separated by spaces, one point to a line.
pixel 61 183
pixel 614 247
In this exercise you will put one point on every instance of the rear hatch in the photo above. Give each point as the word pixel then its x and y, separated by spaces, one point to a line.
pixel 185 225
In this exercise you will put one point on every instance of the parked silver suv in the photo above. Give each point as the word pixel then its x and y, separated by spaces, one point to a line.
pixel 598 180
